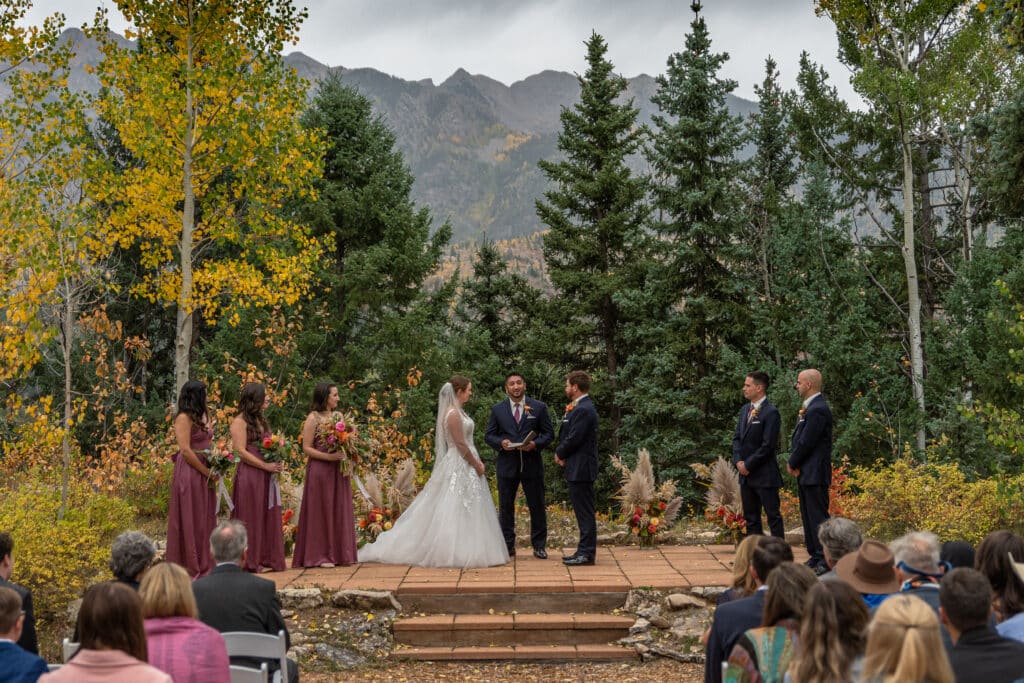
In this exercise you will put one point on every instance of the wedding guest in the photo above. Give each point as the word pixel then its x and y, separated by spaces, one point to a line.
pixel 113 640
pixel 838 537
pixel 919 570
pixel 178 643
pixel 957 554
pixel 996 557
pixel 870 570
pixel 763 654
pixel 326 536
pixel 192 512
pixel 130 554
pixel 978 653
pixel 27 639
pixel 743 583
pixel 833 632
pixel 16 665
pixel 904 644
pixel 257 494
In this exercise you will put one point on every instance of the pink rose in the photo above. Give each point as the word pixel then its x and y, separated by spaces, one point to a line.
pixel 339 426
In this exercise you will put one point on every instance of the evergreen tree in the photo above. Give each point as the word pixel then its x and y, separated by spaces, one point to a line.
pixel 685 372
pixel 596 244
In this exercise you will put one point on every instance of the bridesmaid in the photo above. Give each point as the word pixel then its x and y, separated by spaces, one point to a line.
pixel 256 501
pixel 327 532
pixel 193 508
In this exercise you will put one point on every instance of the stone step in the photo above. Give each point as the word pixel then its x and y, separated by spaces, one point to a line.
pixel 524 600
pixel 545 653
pixel 479 630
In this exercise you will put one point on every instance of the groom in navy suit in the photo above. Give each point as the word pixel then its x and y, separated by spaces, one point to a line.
pixel 754 445
pixel 511 422
pixel 810 461
pixel 577 454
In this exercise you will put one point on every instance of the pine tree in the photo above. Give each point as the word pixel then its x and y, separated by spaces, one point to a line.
pixel 596 213
pixel 685 371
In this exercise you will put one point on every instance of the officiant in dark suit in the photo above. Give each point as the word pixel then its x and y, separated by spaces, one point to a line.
pixel 513 421
pixel 754 445
pixel 577 454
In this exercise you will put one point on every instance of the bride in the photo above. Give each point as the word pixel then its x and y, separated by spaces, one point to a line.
pixel 452 522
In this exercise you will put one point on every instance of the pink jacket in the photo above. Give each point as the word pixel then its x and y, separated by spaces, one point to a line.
pixel 188 649
pixel 106 666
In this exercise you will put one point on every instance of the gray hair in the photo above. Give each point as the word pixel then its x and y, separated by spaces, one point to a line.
pixel 919 550
pixel 130 554
pixel 840 537
pixel 228 541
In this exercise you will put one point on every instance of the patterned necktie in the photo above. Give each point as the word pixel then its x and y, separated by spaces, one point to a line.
pixel 515 414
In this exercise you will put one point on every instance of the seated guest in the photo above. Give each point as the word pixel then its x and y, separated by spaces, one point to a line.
pixel 130 554
pixel 957 554
pixel 231 599
pixel 917 565
pixel 762 655
pixel 838 537
pixel 995 559
pixel 904 645
pixel 16 665
pixel 113 641
pixel 178 643
pixel 742 581
pixel 979 653
pixel 870 570
pixel 732 619
pixel 27 640
pixel 833 632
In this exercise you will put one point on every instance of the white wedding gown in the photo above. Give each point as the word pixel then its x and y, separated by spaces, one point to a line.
pixel 452 522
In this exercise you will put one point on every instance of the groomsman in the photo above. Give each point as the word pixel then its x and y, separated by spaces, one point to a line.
pixel 511 421
pixel 754 445
pixel 577 454
pixel 810 461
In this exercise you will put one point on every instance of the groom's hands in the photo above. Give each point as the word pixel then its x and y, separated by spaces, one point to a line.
pixel 561 463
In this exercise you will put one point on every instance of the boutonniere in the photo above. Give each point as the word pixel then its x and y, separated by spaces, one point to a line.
pixel 800 413
pixel 527 408
pixel 568 408
pixel 753 413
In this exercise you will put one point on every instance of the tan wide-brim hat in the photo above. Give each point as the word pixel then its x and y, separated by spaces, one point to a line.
pixel 870 569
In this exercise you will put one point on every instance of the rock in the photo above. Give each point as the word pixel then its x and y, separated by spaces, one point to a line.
pixel 795 536
pixel 681 601
pixel 639 626
pixel 343 658
pixel 649 613
pixel 709 592
pixel 606 539
pixel 691 626
pixel 366 600
pixel 658 621
pixel 300 650
pixel 640 598
pixel 300 598
pixel 297 638
pixel 708 536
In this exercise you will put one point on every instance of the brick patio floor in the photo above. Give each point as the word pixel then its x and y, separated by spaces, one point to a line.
pixel 618 568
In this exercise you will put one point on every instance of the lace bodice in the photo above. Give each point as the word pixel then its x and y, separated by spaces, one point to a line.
pixel 462 480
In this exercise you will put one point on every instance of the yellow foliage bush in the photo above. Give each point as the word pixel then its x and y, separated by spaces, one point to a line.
pixel 58 559
pixel 894 498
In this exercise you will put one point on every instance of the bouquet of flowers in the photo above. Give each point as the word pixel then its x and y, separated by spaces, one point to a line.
pixel 724 506
pixel 377 520
pixel 221 461
pixel 648 508
pixel 288 530
pixel 277 448
pixel 339 434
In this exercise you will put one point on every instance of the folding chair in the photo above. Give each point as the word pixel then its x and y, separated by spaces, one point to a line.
pixel 260 646
pixel 70 649
pixel 243 674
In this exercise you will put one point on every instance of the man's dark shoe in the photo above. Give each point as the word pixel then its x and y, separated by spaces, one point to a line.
pixel 511 552
pixel 577 560
pixel 540 553
pixel 820 569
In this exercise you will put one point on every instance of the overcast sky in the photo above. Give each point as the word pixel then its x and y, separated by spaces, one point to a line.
pixel 511 39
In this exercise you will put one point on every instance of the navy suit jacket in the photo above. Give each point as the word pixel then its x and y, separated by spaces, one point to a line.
pixel 18 666
pixel 731 621
pixel 755 443
pixel 502 425
pixel 231 599
pixel 811 447
pixel 28 640
pixel 577 442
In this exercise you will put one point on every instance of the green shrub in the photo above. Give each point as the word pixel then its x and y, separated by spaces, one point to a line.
pixel 894 498
pixel 58 559
pixel 147 488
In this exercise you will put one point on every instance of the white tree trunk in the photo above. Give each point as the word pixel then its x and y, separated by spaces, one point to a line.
pixel 913 296
pixel 67 345
pixel 183 329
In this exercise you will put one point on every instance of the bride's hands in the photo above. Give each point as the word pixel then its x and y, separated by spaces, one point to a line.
pixel 478 465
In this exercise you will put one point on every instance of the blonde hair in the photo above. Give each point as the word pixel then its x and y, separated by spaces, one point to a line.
pixel 904 644
pixel 742 578
pixel 833 628
pixel 166 591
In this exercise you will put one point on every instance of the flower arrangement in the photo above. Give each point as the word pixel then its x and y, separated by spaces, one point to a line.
pixel 648 508
pixel 724 506
pixel 387 499
pixel 221 461
pixel 339 434
pixel 288 530
pixel 277 448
